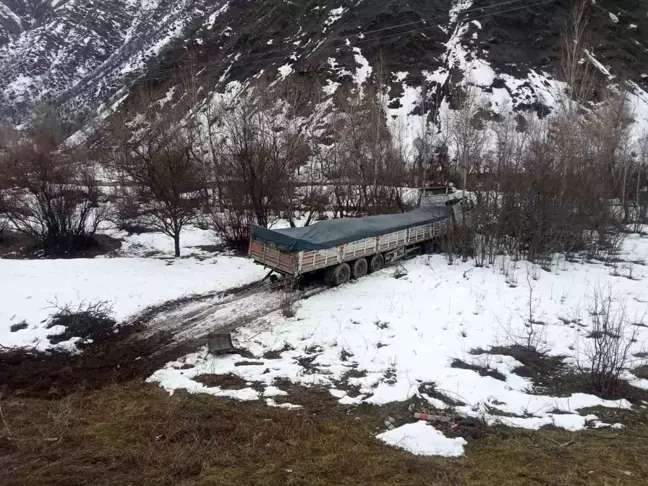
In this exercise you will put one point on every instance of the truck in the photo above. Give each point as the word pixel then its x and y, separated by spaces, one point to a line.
pixel 345 248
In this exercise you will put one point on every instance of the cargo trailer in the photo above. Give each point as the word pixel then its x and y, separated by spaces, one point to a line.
pixel 352 247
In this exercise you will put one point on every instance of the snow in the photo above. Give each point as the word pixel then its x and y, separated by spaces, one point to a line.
pixel 333 66
pixel 8 14
pixel 401 121
pixel 212 18
pixel 168 97
pixel 129 283
pixel 424 440
pixel 21 86
pixel 597 64
pixel 273 391
pixel 334 15
pixel 364 69
pixel 331 87
pixel 191 386
pixel 439 76
pixel 481 74
pixel 476 71
pixel 398 334
pixel 400 76
pixel 285 70
pixel 271 403
pixel 457 7
pixel 638 100
pixel 145 244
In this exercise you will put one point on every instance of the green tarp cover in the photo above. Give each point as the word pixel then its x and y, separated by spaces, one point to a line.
pixel 333 232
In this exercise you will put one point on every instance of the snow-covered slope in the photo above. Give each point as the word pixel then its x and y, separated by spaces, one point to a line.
pixel 81 52
pixel 87 53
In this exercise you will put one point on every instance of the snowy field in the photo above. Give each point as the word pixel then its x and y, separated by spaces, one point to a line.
pixel 32 289
pixel 378 340
pixel 397 334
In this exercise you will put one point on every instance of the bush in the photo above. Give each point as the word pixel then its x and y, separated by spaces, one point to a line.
pixel 50 195
pixel 607 351
pixel 232 226
pixel 86 321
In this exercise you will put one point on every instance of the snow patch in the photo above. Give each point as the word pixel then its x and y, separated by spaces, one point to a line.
pixel 334 15
pixel 400 76
pixel 597 64
pixel 423 440
pixel 364 70
pixel 457 7
pixel 211 20
pixel 31 288
pixel 331 87
pixel 285 70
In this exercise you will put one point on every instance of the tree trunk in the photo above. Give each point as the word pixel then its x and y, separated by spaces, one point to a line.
pixel 176 242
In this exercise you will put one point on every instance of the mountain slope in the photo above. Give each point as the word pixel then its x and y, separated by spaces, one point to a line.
pixel 86 54
pixel 83 51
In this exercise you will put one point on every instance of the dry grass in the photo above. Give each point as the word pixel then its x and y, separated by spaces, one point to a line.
pixel 133 433
pixel 90 419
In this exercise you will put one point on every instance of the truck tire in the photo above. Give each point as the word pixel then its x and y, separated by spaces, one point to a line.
pixel 360 268
pixel 338 275
pixel 377 263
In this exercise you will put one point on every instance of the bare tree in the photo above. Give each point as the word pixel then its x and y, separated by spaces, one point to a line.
pixel 574 46
pixel 366 162
pixel 261 147
pixel 467 132
pixel 641 165
pixel 152 156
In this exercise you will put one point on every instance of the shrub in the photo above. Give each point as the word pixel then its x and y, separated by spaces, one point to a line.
pixel 607 352
pixel 86 321
pixel 50 195
pixel 232 226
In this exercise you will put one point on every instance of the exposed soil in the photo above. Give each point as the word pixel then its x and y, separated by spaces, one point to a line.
pixel 15 245
pixel 641 372
pixel 113 357
pixel 551 376
pixel 482 370
pixel 225 382
pixel 430 390
pixel 91 419
pixel 546 372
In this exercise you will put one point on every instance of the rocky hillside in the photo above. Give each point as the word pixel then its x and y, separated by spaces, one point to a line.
pixel 88 54
pixel 83 52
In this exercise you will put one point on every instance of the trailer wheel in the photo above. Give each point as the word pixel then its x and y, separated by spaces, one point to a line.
pixel 377 263
pixel 338 275
pixel 360 267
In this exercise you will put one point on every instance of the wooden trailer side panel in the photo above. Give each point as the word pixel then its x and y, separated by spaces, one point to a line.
pixel 270 256
pixel 360 248
pixel 315 259
pixel 391 241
